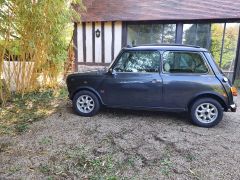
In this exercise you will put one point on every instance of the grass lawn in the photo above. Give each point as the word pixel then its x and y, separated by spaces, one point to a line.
pixel 20 111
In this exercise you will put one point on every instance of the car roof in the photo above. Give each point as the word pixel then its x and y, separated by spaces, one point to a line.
pixel 167 47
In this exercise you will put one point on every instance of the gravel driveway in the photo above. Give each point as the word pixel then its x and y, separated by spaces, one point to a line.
pixel 119 144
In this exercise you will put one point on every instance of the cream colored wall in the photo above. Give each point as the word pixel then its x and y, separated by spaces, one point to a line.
pixel 118 38
pixel 108 41
pixel 98 44
pixel 89 45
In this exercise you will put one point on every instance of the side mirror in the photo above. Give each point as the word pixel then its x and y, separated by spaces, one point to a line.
pixel 111 71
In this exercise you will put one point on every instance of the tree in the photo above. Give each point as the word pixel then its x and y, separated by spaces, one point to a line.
pixel 35 31
pixel 230 44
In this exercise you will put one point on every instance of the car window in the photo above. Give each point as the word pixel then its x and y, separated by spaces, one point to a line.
pixel 138 61
pixel 183 62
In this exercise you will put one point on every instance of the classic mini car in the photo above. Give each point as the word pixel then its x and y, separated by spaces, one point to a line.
pixel 157 77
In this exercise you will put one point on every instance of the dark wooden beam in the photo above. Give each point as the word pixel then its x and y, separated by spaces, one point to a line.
pixel 205 21
pixel 93 41
pixel 113 39
pixel 84 41
pixel 209 37
pixel 196 34
pixel 179 33
pixel 124 34
pixel 75 47
pixel 236 73
pixel 103 44
pixel 223 38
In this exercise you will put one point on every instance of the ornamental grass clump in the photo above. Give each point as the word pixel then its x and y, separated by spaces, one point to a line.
pixel 33 43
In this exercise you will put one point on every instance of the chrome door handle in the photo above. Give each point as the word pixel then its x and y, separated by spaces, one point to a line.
pixel 156 81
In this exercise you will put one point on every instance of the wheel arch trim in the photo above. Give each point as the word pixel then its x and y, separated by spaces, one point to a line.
pixel 208 95
pixel 87 88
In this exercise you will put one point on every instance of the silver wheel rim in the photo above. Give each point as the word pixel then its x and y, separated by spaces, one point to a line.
pixel 85 104
pixel 206 113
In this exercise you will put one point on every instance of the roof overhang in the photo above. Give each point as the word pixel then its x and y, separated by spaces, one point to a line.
pixel 159 10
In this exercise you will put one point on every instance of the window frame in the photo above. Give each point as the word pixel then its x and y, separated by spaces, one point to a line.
pixel 112 66
pixel 186 73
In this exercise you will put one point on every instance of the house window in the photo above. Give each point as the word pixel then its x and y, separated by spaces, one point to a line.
pixel 139 34
pixel 229 48
pixel 219 38
pixel 197 34
pixel 224 38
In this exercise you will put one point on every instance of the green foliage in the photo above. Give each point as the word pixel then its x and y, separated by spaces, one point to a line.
pixel 200 34
pixel 45 169
pixel 78 162
pixel 21 111
pixel 36 31
pixel 46 141
pixel 166 164
pixel 22 127
pixel 230 44
pixel 14 169
pixel 237 83
pixel 216 44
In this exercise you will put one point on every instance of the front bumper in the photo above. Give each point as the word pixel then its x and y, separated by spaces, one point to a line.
pixel 233 107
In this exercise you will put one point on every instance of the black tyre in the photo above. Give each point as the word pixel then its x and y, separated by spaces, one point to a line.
pixel 86 103
pixel 206 112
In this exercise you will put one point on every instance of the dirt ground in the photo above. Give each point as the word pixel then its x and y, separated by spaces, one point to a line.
pixel 122 144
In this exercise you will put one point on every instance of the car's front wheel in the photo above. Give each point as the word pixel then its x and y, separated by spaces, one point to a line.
pixel 86 103
pixel 206 112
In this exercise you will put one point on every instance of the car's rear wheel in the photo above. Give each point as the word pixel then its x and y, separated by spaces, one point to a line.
pixel 206 112
pixel 86 103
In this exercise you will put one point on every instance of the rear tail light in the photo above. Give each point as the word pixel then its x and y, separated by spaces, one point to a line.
pixel 234 91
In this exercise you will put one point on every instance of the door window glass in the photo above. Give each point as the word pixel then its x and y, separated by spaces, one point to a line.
pixel 138 61
pixel 183 62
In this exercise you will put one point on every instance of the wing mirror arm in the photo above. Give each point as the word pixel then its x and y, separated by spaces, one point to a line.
pixel 112 71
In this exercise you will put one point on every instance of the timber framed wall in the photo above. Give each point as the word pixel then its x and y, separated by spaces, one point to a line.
pixel 97 43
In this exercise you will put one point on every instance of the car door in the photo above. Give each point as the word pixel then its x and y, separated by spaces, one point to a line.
pixel 185 75
pixel 135 80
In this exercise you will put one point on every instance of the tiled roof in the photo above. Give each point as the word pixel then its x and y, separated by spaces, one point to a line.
pixel 141 10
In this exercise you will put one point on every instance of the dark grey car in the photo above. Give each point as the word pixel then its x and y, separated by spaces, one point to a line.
pixel 165 78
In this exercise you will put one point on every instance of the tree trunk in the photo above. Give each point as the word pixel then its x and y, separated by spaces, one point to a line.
pixel 4 91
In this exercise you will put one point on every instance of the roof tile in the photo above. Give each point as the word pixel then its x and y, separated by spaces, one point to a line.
pixel 142 10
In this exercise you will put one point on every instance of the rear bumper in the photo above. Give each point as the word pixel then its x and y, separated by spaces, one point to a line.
pixel 233 107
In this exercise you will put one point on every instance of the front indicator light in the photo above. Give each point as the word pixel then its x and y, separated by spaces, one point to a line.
pixel 234 91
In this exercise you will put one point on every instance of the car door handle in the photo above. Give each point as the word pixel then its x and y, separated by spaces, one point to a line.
pixel 156 81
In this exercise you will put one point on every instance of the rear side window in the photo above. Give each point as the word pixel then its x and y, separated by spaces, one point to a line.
pixel 183 62
pixel 138 61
